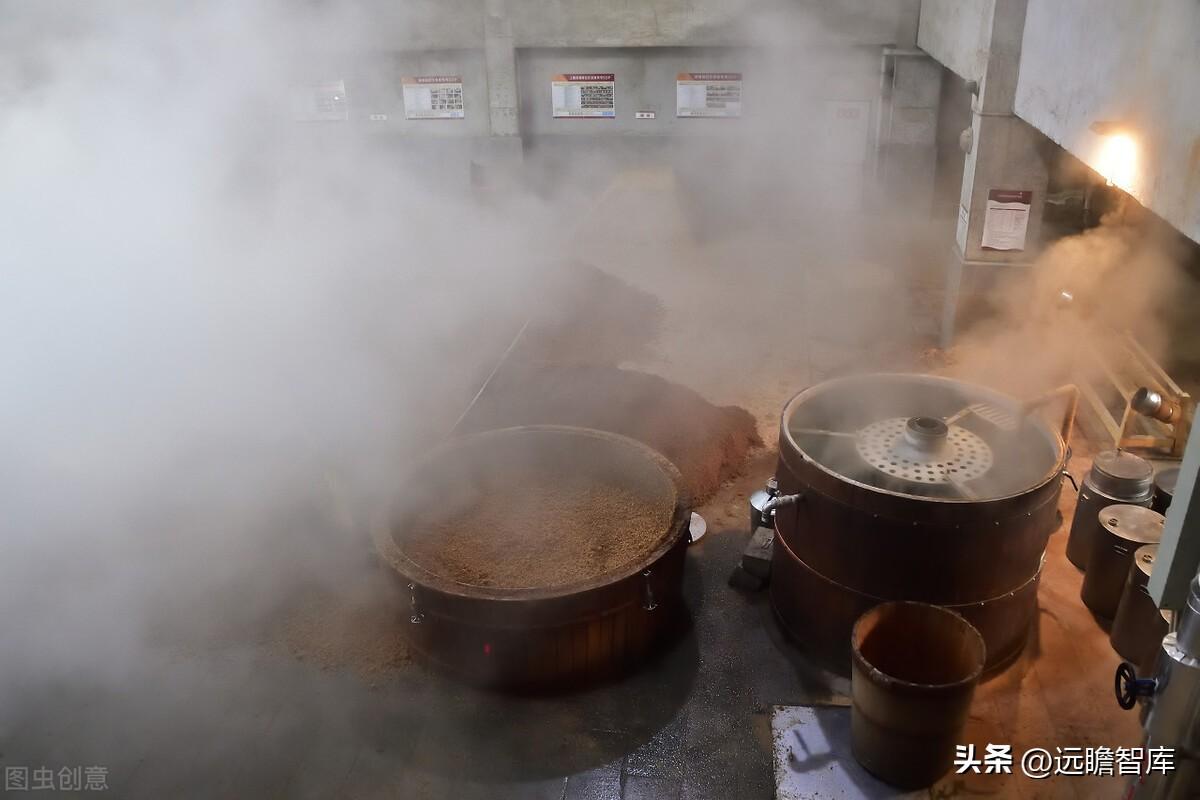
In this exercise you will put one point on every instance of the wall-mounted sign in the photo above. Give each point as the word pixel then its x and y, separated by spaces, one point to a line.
pixel 433 97
pixel 584 95
pixel 324 101
pixel 708 94
pixel 1006 219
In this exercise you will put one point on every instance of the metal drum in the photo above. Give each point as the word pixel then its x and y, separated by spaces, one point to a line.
pixel 1139 627
pixel 1115 477
pixel 1123 529
pixel 1164 489
pixel 911 487
pixel 540 636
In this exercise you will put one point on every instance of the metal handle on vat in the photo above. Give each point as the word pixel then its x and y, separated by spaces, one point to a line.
pixel 415 616
pixel 648 593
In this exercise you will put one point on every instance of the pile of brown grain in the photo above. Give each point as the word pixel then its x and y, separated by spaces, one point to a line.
pixel 534 529
pixel 591 317
pixel 708 444
pixel 360 629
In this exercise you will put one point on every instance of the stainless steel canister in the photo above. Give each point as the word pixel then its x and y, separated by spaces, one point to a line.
pixel 1139 627
pixel 1164 489
pixel 1115 477
pixel 1123 529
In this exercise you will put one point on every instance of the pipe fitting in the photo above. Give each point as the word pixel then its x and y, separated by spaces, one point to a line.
pixel 780 501
pixel 1153 404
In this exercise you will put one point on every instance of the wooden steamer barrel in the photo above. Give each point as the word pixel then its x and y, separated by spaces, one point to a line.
pixel 905 494
pixel 501 634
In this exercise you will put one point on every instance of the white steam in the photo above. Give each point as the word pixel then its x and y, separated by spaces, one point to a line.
pixel 208 309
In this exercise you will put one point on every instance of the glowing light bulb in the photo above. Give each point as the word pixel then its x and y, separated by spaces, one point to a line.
pixel 1117 160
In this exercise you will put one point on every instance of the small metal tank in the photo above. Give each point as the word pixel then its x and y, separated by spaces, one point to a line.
pixel 1170 713
pixel 1115 477
pixel 1123 529
pixel 549 636
pixel 1164 489
pixel 1139 627
pixel 911 487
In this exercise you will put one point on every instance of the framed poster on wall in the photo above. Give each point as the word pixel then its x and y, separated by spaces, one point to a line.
pixel 708 94
pixel 433 97
pixel 579 95
pixel 1006 219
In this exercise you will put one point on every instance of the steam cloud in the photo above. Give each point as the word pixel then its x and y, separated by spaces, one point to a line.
pixel 212 314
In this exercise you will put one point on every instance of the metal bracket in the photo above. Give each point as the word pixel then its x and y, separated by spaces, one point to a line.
pixel 1122 365
pixel 415 617
pixel 648 602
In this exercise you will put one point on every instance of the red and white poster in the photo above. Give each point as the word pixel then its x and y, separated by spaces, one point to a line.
pixel 1006 219
pixel 433 97
pixel 584 95
pixel 708 94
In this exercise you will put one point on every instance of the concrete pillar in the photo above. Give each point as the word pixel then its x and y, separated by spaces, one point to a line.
pixel 1005 154
pixel 500 154
pixel 501 57
pixel 906 159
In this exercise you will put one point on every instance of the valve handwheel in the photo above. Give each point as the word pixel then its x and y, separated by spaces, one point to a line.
pixel 1129 687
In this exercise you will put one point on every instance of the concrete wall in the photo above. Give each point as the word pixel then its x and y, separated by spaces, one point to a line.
pixel 582 23
pixel 811 88
pixel 1085 61
pixel 449 24
pixel 784 91
pixel 956 33
pixel 645 42
pixel 373 87
pixel 645 81
pixel 954 115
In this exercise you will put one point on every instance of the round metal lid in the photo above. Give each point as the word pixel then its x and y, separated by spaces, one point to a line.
pixel 1166 479
pixel 952 453
pixel 1132 523
pixel 920 436
pixel 1121 474
pixel 1143 559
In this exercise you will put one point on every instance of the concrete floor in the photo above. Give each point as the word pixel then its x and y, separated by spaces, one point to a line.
pixel 247 721
pixel 748 322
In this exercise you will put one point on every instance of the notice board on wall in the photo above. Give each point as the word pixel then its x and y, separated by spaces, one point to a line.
pixel 579 95
pixel 708 94
pixel 1006 219
pixel 433 97
pixel 323 101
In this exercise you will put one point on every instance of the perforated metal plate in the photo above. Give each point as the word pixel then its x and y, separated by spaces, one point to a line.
pixel 1001 418
pixel 964 458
